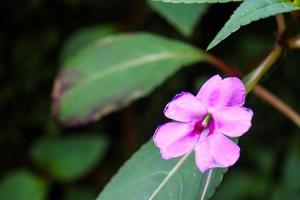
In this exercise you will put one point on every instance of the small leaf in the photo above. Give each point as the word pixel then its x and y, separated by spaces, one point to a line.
pixel 197 1
pixel 113 72
pixel 85 37
pixel 22 185
pixel 183 16
pixel 147 177
pixel 69 158
pixel 249 11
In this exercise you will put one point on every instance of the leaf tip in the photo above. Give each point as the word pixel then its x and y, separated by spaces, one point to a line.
pixel 210 46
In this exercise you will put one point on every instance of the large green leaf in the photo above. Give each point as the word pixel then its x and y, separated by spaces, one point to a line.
pixel 147 177
pixel 22 185
pixel 68 158
pixel 249 11
pixel 183 16
pixel 115 71
pixel 198 1
pixel 85 37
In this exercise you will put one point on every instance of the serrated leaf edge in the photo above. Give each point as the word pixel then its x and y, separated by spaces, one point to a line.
pixel 197 1
pixel 215 41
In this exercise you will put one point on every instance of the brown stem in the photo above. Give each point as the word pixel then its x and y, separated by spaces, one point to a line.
pixel 127 122
pixel 268 97
pixel 280 24
pixel 258 90
pixel 223 67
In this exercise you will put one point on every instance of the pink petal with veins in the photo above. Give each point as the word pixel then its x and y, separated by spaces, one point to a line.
pixel 175 139
pixel 224 151
pixel 216 93
pixel 232 121
pixel 204 158
pixel 185 108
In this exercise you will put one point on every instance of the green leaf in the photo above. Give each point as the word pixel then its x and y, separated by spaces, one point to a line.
pixel 113 72
pixel 197 1
pixel 182 16
pixel 147 177
pixel 69 158
pixel 85 37
pixel 249 11
pixel 22 185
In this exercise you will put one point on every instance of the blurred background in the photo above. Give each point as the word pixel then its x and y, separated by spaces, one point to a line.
pixel 42 160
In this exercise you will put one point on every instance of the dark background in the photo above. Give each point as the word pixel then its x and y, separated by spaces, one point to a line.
pixel 32 34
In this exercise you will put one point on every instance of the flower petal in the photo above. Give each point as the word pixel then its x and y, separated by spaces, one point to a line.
pixel 184 108
pixel 175 139
pixel 224 151
pixel 204 158
pixel 210 91
pixel 234 91
pixel 216 93
pixel 232 121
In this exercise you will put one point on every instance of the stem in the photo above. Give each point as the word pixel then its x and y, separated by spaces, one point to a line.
pixel 223 67
pixel 257 74
pixel 259 90
pixel 277 103
pixel 127 122
pixel 280 24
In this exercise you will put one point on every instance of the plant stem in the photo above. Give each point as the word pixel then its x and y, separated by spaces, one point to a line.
pixel 277 103
pixel 280 24
pixel 261 69
pixel 223 67
pixel 258 90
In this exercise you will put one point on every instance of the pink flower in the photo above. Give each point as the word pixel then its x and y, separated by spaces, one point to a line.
pixel 204 123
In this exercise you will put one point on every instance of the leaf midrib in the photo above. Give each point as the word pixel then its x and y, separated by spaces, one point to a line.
pixel 169 175
pixel 207 181
pixel 134 63
pixel 176 168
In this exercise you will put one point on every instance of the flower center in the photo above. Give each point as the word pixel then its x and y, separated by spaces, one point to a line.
pixel 206 120
pixel 200 125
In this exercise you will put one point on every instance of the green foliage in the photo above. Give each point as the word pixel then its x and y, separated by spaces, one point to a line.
pixel 147 176
pixel 183 16
pixel 245 182
pixel 197 1
pixel 69 158
pixel 31 37
pixel 249 11
pixel 22 185
pixel 79 193
pixel 291 173
pixel 83 38
pixel 115 71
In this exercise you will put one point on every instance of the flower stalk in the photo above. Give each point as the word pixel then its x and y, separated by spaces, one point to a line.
pixel 259 90
pixel 280 24
pixel 253 78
